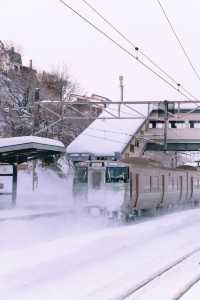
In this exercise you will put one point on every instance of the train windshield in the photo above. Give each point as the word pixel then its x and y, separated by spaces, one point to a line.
pixel 81 174
pixel 117 174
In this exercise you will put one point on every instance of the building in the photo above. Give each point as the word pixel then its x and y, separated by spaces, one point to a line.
pixel 9 59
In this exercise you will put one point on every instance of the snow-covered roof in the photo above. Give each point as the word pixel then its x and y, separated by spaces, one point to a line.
pixel 23 148
pixel 107 136
pixel 20 140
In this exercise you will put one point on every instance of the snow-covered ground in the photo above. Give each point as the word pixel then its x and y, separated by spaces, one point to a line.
pixel 73 256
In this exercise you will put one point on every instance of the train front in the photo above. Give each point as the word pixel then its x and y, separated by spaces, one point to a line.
pixel 101 187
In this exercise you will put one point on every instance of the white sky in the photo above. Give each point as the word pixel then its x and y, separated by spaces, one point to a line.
pixel 50 34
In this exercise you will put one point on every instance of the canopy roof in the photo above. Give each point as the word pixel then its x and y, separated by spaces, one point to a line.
pixel 25 148
pixel 108 136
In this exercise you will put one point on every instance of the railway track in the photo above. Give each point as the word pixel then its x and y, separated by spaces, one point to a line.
pixel 187 288
pixel 144 289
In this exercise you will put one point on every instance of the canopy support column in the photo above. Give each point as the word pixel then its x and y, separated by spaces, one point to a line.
pixel 14 185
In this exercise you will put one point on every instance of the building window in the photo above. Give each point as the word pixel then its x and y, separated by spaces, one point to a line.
pixel 176 124
pixel 137 143
pixel 132 148
pixel 156 124
pixel 194 124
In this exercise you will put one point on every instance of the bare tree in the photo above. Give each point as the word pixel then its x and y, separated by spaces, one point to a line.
pixel 59 82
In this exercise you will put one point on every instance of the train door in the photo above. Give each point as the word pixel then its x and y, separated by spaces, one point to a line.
pixel 163 190
pixel 137 189
pixel 96 184
pixel 191 187
pixel 118 188
pixel 80 184
pixel 133 195
pixel 96 178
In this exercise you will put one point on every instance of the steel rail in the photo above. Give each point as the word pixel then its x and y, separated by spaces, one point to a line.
pixel 187 288
pixel 161 272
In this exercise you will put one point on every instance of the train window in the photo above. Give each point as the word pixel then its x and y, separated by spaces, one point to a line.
pixel 192 184
pixel 179 183
pixel 173 183
pixel 196 183
pixel 146 184
pixel 117 174
pixel 150 188
pixel 155 184
pixel 81 174
pixel 96 179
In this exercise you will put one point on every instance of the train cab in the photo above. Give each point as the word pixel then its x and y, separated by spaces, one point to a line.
pixel 101 184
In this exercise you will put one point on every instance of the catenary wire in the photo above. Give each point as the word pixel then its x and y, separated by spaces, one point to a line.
pixel 178 39
pixel 123 48
pixel 104 138
pixel 135 47
pixel 111 131
pixel 126 112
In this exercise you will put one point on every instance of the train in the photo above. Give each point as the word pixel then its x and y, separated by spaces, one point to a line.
pixel 127 189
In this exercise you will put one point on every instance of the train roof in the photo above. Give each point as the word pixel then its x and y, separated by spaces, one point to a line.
pixel 150 163
pixel 142 161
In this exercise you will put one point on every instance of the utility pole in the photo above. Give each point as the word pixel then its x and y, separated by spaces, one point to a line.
pixel 36 121
pixel 36 125
pixel 14 184
pixel 121 81
pixel 166 124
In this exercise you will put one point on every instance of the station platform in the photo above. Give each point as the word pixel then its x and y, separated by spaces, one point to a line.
pixel 24 214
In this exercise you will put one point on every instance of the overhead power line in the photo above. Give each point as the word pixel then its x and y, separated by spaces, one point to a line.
pixel 104 138
pixel 177 88
pixel 136 47
pixel 111 131
pixel 178 40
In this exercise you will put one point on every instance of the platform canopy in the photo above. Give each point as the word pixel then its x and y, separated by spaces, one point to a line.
pixel 26 148
pixel 105 137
